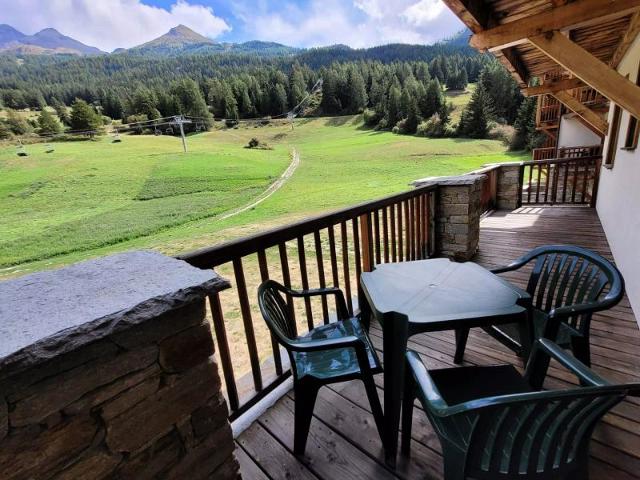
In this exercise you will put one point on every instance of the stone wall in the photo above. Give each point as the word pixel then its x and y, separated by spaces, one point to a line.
pixel 508 191
pixel 135 394
pixel 457 217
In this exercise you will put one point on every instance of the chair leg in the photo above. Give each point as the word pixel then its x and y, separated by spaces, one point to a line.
pixel 407 412
pixel 374 401
pixel 305 399
pixel 461 343
pixel 453 465
pixel 581 349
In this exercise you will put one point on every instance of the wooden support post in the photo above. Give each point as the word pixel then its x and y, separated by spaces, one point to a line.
pixel 572 15
pixel 591 117
pixel 592 71
pixel 366 241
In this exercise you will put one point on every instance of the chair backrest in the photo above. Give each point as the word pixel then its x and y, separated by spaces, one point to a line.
pixel 564 275
pixel 544 437
pixel 275 311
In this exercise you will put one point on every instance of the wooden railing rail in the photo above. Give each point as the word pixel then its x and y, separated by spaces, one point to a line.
pixel 544 153
pixel 570 180
pixel 343 244
pixel 582 151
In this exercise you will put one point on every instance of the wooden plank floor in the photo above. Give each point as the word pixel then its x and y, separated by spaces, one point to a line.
pixel 343 442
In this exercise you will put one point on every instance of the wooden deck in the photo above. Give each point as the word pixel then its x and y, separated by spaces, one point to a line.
pixel 343 442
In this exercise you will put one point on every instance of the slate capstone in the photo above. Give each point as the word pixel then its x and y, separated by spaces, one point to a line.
pixel 49 313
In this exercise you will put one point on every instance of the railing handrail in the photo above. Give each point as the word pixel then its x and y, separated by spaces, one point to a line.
pixel 527 163
pixel 210 257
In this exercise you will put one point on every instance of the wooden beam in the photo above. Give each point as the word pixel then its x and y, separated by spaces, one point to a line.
pixel 478 16
pixel 572 15
pixel 551 87
pixel 474 13
pixel 629 36
pixel 592 71
pixel 591 117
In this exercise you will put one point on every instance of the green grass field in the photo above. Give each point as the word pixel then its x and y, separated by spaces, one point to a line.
pixel 92 198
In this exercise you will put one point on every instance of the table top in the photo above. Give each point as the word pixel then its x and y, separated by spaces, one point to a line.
pixel 440 291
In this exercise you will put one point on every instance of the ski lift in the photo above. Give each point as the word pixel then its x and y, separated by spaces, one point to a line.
pixel 21 152
pixel 199 127
pixel 50 148
pixel 157 131
pixel 169 131
pixel 116 138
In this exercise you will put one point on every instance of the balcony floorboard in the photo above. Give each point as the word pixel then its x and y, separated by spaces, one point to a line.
pixel 343 441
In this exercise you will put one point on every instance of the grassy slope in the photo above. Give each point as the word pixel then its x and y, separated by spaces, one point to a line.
pixel 86 187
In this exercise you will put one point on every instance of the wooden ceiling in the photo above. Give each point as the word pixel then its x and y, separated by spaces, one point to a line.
pixel 600 38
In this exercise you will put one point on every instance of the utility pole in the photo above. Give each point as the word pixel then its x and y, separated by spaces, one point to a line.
pixel 180 121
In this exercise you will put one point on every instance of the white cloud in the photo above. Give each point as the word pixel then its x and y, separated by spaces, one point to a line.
pixel 109 24
pixel 423 12
pixel 359 23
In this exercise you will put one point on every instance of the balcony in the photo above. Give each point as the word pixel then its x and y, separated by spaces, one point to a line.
pixel 343 442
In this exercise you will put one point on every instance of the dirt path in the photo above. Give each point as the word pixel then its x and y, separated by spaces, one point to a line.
pixel 273 188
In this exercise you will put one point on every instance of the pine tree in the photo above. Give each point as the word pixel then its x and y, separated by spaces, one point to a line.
pixel 83 117
pixel 394 106
pixel 356 91
pixel 526 136
pixel 191 101
pixel 475 119
pixel 47 123
pixel 433 100
pixel 61 111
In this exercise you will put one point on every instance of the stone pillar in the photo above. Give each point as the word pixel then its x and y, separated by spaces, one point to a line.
pixel 458 213
pixel 106 370
pixel 509 187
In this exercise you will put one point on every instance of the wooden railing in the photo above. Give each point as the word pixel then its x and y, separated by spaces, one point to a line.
pixel 342 245
pixel 579 152
pixel 544 153
pixel 588 96
pixel 560 181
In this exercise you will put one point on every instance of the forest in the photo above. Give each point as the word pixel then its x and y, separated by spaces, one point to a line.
pixel 395 87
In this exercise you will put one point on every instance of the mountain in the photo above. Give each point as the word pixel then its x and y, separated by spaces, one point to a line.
pixel 48 41
pixel 182 40
pixel 177 38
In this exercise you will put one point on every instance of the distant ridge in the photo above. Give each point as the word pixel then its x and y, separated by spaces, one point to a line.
pixel 181 39
pixel 46 42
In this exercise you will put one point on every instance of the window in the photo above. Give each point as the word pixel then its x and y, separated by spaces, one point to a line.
pixel 633 129
pixel 613 137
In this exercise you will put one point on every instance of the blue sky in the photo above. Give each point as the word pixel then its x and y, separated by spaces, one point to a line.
pixel 109 24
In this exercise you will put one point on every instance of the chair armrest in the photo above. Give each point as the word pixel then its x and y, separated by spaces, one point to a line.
pixel 515 265
pixel 427 390
pixel 579 309
pixel 575 366
pixel 341 303
pixel 350 341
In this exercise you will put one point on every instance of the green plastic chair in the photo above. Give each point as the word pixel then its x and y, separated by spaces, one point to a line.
pixel 567 285
pixel 332 353
pixel 494 423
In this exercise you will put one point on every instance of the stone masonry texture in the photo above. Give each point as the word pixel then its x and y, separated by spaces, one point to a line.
pixel 137 393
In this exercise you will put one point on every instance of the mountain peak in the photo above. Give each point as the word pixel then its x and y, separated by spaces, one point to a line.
pixel 179 36
pixel 46 41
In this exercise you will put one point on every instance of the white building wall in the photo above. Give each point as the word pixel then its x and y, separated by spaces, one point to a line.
pixel 572 133
pixel 618 201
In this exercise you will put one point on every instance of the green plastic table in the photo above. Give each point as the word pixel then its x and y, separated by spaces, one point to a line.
pixel 426 296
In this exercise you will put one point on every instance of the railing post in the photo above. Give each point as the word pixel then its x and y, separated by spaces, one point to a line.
pixel 366 240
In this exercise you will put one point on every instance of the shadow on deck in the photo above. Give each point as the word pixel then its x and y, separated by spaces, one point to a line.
pixel 343 441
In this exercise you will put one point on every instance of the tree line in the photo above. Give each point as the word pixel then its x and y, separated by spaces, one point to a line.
pixel 403 96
